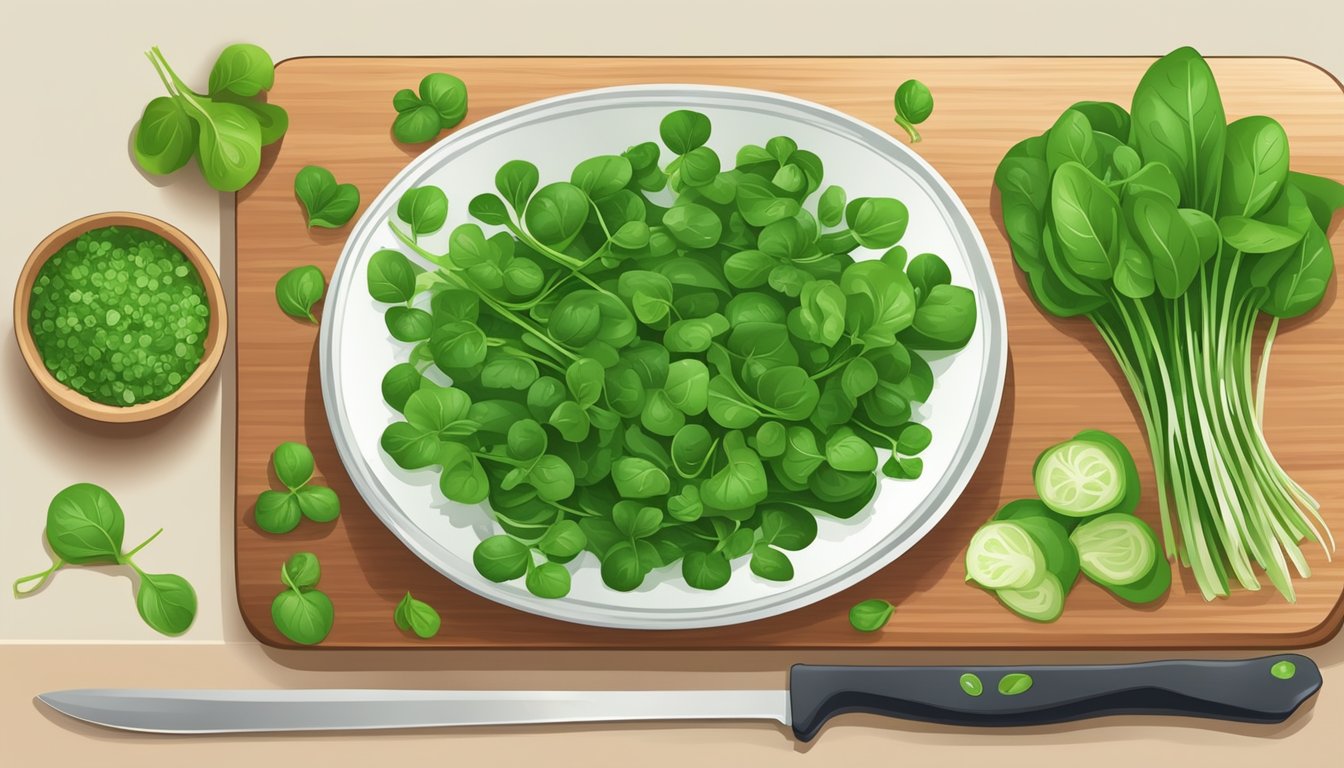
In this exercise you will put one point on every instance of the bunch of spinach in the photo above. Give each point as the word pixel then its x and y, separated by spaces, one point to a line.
pixel 282 511
pixel 1173 231
pixel 660 378
pixel 223 128
pixel 85 526
pixel 302 612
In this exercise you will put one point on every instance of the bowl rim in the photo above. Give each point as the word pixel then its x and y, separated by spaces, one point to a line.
pixel 78 403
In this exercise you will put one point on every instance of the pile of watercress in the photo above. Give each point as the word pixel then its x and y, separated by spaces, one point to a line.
pixel 224 128
pixel 85 526
pixel 687 377
pixel 1173 231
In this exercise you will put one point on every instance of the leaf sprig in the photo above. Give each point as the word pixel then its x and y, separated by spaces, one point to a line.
pixel 281 511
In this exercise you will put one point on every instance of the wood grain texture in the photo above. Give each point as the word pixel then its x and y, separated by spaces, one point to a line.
pixel 1060 378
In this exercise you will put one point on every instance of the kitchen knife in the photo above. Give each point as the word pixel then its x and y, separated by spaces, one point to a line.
pixel 1263 690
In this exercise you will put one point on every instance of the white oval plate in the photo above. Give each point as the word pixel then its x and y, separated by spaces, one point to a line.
pixel 556 134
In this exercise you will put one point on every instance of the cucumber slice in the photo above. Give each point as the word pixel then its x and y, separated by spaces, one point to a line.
pixel 1130 501
pixel 1061 558
pixel 1002 555
pixel 1043 602
pixel 1148 589
pixel 1020 509
pixel 1115 549
pixel 1080 478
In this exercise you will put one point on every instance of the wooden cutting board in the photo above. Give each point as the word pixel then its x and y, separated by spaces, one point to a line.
pixel 1061 378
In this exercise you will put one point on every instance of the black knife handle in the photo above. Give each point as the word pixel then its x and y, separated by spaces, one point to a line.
pixel 1247 690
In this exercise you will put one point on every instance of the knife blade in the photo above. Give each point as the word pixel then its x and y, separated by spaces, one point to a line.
pixel 1263 690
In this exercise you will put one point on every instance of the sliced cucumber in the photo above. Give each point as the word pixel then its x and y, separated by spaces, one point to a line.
pixel 1080 478
pixel 1130 501
pixel 1002 555
pixel 1061 558
pixel 1020 509
pixel 1115 549
pixel 1147 589
pixel 1043 602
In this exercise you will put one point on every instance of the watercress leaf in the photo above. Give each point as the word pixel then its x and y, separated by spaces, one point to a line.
pixel 165 137
pixel 293 464
pixel 870 615
pixel 391 277
pixel 306 616
pixel 85 525
pixel 638 478
pixel 783 240
pixel 228 144
pixel 648 293
pixel 693 225
pixel 760 205
pixel 522 277
pixel 833 485
pixel 242 69
pixel 769 563
pixel 741 483
pixel 660 416
pixel 1087 221
pixel 457 344
pixel 636 521
pixel 626 564
pixel 563 539
pixel 858 377
pixel 409 446
pixel 849 452
pixel 276 512
pixel 913 101
pixel 888 294
pixel 771 439
pixel 699 167
pixel 437 409
pixel 570 420
pixel 1178 121
pixel 405 99
pixel 447 95
pixel 691 448
pixel 552 477
pixel 408 323
pixel 790 178
pixel 926 271
pixel 412 615
pixel 1167 238
pixel 945 320
pixel 424 209
pixel 801 455
pixel 831 206
pixel 684 130
pixel 526 440
pixel 754 307
pixel 687 386
pixel 1299 286
pixel 728 407
pixel 548 580
pixel 877 222
pixel 748 269
pixel 301 570
pixel 788 391
pixel 556 214
pixel 584 378
pixel 602 176
pixel 417 125
pixel 820 316
pixel 501 558
pixel 298 290
pixel 166 602
pixel 695 334
pixel 318 503
pixel 706 570
pixel 585 315
pixel 788 527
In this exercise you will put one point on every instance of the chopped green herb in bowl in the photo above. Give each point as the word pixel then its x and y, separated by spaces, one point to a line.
pixel 119 317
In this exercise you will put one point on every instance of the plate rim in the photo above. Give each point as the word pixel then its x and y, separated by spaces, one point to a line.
pixel 933 508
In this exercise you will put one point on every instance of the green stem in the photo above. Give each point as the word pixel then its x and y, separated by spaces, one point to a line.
pixel 1263 377
pixel 126 558
pixel 909 128
pixel 41 579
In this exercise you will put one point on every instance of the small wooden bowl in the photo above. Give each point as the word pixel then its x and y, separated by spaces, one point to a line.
pixel 76 402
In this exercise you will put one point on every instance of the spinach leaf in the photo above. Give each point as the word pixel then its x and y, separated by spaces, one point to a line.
pixel 85 525
pixel 298 290
pixel 1178 120
pixel 326 203
pixel 242 69
pixel 165 137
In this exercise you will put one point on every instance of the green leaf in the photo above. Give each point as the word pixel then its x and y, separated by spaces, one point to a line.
pixel 411 615
pixel 695 226
pixel 298 290
pixel 870 615
pixel 548 580
pixel 458 344
pixel 699 167
pixel 1323 196
pixel 877 222
pixel 556 213
pixel 409 446
pixel 760 205
pixel 242 69
pixel 686 506
pixel 788 391
pixel 563 539
pixel 638 478
pixel 687 386
pixel 858 377
pixel 391 277
pixel 447 95
pixel 463 478
pixel 691 448
pixel 424 209
pixel 945 320
pixel 301 570
pixel 636 521
pixel 318 503
pixel 801 455
pixel 602 176
pixel 293 464
pixel 85 525
pixel 831 206
pixel 166 602
pixel 927 271
pixel 501 558
pixel 741 483
pixel 706 570
pixel 1255 166
pixel 571 421
pixel 914 102
pixel 1178 121
pixel 695 334
pixel 1071 140
pixel 437 409
pixel 1168 240
pixel 1087 221
pixel 769 563
pixel 684 130
pixel 584 378
pixel 408 323
pixel 883 296
pixel 276 512
pixel 771 439
pixel 820 316
pixel 306 616
pixel 788 527
pixel 165 138
pixel 1015 683
pixel 228 146
pixel 627 563
pixel 517 373
pixel 848 452
pixel 660 416
pixel 1300 285
pixel 516 181
pixel 1254 236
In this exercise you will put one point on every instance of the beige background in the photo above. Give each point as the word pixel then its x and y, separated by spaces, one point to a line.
pixel 75 82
